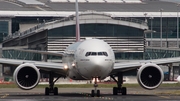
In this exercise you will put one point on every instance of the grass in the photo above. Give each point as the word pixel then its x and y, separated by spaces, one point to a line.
pixel 88 85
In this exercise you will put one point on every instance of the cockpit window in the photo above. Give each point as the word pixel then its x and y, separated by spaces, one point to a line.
pixel 100 53
pixel 93 53
pixel 96 54
pixel 88 53
pixel 105 53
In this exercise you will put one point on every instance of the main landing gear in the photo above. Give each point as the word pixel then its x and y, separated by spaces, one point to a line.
pixel 51 88
pixel 95 91
pixel 119 88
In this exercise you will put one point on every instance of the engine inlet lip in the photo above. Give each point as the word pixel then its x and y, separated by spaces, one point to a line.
pixel 24 66
pixel 146 66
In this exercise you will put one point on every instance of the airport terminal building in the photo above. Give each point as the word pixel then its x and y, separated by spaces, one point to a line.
pixel 133 28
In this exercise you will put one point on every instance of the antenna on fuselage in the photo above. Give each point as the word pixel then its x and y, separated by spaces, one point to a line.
pixel 77 23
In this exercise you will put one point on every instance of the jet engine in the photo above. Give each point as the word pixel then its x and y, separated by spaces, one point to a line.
pixel 150 76
pixel 26 76
pixel 178 79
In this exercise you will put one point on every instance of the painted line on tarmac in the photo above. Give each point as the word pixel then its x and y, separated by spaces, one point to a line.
pixel 166 97
pixel 101 97
pixel 4 96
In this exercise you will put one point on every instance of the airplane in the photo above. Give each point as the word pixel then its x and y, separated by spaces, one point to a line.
pixel 86 60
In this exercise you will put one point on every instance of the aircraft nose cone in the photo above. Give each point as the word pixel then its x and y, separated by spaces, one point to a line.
pixel 97 61
pixel 95 67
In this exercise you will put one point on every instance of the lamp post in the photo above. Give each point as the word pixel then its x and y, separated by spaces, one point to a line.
pixel 161 26
pixel 38 20
pixel 145 20
pixel 178 25
pixel 151 28
pixel 145 14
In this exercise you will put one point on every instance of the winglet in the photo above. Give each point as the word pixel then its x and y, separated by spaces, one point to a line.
pixel 77 23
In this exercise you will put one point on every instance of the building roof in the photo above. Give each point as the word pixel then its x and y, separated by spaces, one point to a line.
pixel 67 7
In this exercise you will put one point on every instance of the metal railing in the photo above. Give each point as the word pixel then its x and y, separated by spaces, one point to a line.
pixel 70 18
pixel 132 20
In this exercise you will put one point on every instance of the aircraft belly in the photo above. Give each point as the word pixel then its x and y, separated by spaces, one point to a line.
pixel 88 70
pixel 73 74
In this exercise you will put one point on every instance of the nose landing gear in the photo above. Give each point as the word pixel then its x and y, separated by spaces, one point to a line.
pixel 95 91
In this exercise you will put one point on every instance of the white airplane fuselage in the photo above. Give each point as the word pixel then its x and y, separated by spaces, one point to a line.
pixel 92 58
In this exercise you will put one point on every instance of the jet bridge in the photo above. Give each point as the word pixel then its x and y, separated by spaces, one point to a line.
pixel 161 52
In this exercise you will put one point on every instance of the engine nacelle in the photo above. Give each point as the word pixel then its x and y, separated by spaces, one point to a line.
pixel 150 76
pixel 178 79
pixel 26 76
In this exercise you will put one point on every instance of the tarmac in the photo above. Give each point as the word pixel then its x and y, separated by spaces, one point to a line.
pixel 83 94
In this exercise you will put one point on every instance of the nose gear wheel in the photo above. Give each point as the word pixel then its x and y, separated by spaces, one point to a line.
pixel 95 92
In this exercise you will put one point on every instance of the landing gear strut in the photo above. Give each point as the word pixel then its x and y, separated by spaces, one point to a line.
pixel 95 91
pixel 119 88
pixel 51 88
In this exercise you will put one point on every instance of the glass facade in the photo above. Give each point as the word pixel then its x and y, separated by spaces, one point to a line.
pixel 97 30
pixel 169 27
pixel 129 55
pixel 28 20
pixel 3 29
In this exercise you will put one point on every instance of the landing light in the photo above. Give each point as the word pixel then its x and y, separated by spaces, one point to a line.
pixel 93 80
pixel 73 64
pixel 65 67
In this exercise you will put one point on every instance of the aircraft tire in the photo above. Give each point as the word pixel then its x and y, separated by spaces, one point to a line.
pixel 55 91
pixel 115 90
pixel 98 93
pixel 92 93
pixel 46 91
pixel 124 91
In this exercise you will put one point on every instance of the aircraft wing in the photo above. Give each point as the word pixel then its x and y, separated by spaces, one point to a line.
pixel 126 66
pixel 46 66
pixel 41 52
